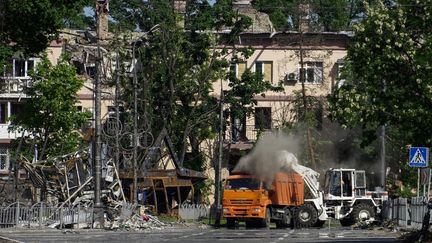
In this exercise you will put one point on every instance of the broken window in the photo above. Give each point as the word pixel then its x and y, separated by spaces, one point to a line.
pixel 16 109
pixel 19 67
pixel 263 119
pixel 4 159
pixel 91 71
pixel 3 113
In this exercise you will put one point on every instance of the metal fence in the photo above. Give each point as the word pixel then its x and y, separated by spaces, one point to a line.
pixel 407 212
pixel 193 211
pixel 418 210
pixel 41 215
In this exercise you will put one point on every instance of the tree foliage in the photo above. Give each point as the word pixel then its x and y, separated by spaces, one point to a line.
pixel 179 67
pixel 390 72
pixel 326 15
pixel 28 25
pixel 50 116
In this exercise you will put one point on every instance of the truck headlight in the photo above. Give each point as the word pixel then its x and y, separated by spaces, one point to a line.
pixel 226 210
pixel 256 210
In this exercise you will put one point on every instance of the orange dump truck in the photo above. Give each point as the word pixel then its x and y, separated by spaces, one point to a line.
pixel 246 198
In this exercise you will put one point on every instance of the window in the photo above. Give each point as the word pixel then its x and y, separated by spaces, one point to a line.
pixel 3 113
pixel 16 109
pixel 243 184
pixel 263 118
pixel 266 69
pixel 312 72
pixel 4 159
pixel 233 68
pixel 19 68
pixel 360 179
pixel 91 71
pixel 340 77
pixel 238 69
pixel 238 128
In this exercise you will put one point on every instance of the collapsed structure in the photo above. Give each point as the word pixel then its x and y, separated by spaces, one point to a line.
pixel 68 179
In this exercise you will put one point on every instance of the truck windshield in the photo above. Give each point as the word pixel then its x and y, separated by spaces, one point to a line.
pixel 242 184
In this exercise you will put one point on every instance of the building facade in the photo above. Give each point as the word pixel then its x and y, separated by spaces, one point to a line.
pixel 279 57
pixel 16 77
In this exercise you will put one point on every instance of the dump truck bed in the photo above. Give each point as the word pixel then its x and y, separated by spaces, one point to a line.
pixel 287 189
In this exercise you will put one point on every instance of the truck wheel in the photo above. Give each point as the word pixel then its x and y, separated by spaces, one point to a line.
pixel 266 221
pixel 230 223
pixel 285 221
pixel 362 212
pixel 306 216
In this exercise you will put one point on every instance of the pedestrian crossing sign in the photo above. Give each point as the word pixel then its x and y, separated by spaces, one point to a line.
pixel 418 157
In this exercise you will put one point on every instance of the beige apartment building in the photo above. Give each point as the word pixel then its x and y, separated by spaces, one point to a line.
pixel 16 78
pixel 277 57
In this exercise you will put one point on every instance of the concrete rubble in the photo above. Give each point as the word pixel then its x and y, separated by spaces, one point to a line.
pixel 67 181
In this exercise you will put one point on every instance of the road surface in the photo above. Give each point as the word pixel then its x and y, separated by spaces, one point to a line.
pixel 207 235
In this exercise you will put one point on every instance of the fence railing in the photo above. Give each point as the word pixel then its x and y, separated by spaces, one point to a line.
pixel 40 215
pixel 193 211
pixel 406 212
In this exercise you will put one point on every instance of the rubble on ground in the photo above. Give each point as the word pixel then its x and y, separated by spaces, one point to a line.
pixel 416 236
pixel 68 179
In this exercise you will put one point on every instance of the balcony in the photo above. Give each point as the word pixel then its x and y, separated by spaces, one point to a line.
pixel 248 134
pixel 14 86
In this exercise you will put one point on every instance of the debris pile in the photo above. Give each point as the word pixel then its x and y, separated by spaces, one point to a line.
pixel 131 216
pixel 68 179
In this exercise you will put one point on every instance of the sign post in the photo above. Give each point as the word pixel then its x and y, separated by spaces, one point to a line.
pixel 419 158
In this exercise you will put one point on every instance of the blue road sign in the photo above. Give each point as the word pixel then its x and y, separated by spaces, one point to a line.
pixel 418 157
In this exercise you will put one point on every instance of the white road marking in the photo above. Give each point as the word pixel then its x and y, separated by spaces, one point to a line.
pixel 9 239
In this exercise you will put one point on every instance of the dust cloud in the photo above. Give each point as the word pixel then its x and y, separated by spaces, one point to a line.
pixel 272 153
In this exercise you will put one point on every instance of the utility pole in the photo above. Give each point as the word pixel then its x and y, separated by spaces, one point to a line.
pixel 383 159
pixel 135 136
pixel 219 164
pixel 304 27
pixel 117 113
pixel 102 28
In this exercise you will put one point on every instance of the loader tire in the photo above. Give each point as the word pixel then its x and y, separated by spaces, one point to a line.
pixel 305 216
pixel 362 212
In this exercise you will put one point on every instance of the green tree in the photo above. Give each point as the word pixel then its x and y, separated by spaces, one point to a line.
pixel 50 118
pixel 179 67
pixel 389 72
pixel 29 25
pixel 388 76
pixel 327 15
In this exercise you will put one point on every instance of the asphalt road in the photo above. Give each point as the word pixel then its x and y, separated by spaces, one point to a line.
pixel 202 235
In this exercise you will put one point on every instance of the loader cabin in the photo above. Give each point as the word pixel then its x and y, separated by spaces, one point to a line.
pixel 345 183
